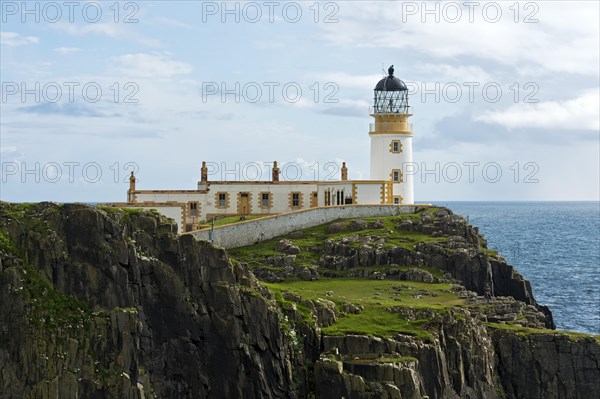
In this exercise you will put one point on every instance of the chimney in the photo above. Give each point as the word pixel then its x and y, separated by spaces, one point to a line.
pixel 203 173
pixel 275 171
pixel 130 192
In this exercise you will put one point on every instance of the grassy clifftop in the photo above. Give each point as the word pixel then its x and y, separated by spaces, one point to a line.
pixel 371 273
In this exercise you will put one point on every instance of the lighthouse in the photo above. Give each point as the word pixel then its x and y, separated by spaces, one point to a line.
pixel 391 137
pixel 390 182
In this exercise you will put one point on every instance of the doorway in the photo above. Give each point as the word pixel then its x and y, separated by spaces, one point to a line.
pixel 244 206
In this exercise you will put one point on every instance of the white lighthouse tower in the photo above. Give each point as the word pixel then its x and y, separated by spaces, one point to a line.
pixel 391 137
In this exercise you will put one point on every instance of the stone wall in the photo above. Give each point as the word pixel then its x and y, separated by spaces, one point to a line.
pixel 253 231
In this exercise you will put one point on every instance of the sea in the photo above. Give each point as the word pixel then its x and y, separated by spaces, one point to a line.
pixel 554 245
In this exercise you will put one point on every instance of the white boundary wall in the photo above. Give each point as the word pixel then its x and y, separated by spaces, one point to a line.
pixel 253 231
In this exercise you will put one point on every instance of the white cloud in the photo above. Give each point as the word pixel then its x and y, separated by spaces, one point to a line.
pixel 582 112
pixel 11 148
pixel 111 30
pixel 344 80
pixel 308 101
pixel 460 73
pixel 565 38
pixel 154 65
pixel 105 29
pixel 67 50
pixel 14 39
pixel 433 73
pixel 303 102
pixel 171 108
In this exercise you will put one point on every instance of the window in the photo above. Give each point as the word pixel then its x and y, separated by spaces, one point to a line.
pixel 397 176
pixel 396 146
pixel 193 209
pixel 222 200
pixel 265 200
pixel 339 197
pixel 397 200
pixel 296 200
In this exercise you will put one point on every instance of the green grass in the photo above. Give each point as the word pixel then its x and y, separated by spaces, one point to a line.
pixel 489 252
pixel 229 220
pixel 127 211
pixel 377 297
pixel 398 359
pixel 110 209
pixel 527 331
pixel 389 231
pixel 289 305
pixel 379 323
pixel 7 245
pixel 26 214
pixel 255 255
pixel 312 240
pixel 50 308
pixel 17 211
pixel 436 273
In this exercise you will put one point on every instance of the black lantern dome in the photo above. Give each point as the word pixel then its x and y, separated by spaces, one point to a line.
pixel 390 82
pixel 391 95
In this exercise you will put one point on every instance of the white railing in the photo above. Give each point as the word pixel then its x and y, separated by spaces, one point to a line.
pixel 394 110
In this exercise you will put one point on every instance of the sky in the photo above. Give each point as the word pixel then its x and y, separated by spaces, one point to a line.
pixel 504 95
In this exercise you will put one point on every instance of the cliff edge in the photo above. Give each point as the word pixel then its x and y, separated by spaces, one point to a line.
pixel 106 303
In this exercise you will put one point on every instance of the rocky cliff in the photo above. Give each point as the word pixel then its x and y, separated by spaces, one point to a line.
pixel 115 305
pixel 104 303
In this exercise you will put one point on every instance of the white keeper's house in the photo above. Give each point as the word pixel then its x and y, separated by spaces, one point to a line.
pixel 391 148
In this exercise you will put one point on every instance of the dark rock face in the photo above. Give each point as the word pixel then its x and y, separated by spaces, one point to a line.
pixel 456 363
pixel 465 361
pixel 547 366
pixel 115 305
pixel 171 316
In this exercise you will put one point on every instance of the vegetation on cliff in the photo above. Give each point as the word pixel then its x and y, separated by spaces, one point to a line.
pixel 359 263
pixel 112 303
